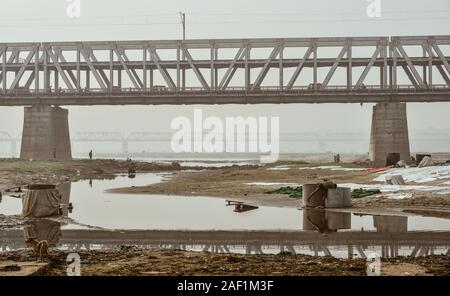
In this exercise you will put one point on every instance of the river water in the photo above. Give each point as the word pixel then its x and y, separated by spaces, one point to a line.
pixel 194 220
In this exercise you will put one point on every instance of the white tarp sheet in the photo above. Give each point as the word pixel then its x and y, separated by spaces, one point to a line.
pixel 418 175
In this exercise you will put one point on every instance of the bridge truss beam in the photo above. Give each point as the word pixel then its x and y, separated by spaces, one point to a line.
pixel 226 71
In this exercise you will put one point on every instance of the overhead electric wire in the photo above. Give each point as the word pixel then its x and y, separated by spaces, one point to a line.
pixel 79 22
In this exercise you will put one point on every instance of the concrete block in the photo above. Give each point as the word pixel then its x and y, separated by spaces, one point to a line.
pixel 339 198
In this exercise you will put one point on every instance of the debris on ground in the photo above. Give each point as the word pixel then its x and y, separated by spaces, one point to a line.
pixel 170 262
pixel 10 221
pixel 426 162
pixel 401 164
pixel 12 267
pixel 418 175
pixel 293 192
pixel 395 180
pixel 360 193
pixel 22 268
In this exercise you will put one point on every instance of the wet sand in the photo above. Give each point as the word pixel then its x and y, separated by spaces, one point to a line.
pixel 230 183
pixel 14 172
pixel 131 262
pixel 243 183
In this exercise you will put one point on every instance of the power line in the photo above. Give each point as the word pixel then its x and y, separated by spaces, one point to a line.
pixel 322 20
pixel 221 14
pixel 87 25
pixel 317 13
pixel 266 21
pixel 88 17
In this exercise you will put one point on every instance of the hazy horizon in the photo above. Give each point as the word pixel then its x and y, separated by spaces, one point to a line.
pixel 153 20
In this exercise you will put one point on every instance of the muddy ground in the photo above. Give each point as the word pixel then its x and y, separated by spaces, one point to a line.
pixel 231 183
pixel 131 262
pixel 14 172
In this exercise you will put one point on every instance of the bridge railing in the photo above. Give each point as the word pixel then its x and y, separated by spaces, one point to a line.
pixel 366 89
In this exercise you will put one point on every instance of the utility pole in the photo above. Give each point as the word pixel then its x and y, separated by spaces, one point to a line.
pixel 183 71
pixel 183 22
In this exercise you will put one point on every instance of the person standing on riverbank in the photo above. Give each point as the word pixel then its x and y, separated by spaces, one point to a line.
pixel 90 155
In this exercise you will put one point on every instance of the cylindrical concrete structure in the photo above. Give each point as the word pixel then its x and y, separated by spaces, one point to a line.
pixel 312 197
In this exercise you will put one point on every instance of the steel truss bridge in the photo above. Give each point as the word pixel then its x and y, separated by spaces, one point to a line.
pixel 227 71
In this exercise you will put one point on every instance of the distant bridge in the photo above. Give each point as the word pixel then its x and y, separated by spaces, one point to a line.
pixel 441 137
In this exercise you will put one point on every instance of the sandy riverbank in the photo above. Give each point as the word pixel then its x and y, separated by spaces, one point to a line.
pixel 15 172
pixel 130 261
pixel 252 184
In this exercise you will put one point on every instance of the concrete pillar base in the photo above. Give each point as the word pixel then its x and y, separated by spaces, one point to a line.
pixel 45 134
pixel 389 135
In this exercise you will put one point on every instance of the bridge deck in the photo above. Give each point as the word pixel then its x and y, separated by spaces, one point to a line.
pixel 193 96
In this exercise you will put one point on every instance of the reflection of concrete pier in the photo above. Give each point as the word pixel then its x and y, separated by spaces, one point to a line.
pixel 392 224
pixel 64 190
pixel 325 221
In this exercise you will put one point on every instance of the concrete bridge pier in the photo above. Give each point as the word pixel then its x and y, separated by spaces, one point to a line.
pixel 389 135
pixel 45 134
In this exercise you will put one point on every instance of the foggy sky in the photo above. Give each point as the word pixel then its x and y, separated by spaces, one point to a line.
pixel 46 20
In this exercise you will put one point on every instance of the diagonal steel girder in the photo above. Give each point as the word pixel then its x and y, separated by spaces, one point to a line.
pixel 197 72
pixel 19 74
pixel 411 67
pixel 87 58
pixel 61 57
pixel 133 71
pixel 136 83
pixel 299 68
pixel 369 66
pixel 266 67
pixel 102 73
pixel 410 76
pixel 441 70
pixel 441 56
pixel 61 72
pixel 232 69
pixel 14 55
pixel 33 74
pixel 165 74
pixel 335 65
pixel 3 56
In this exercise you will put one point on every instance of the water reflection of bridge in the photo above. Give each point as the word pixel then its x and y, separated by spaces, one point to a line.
pixel 339 244
pixel 323 233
